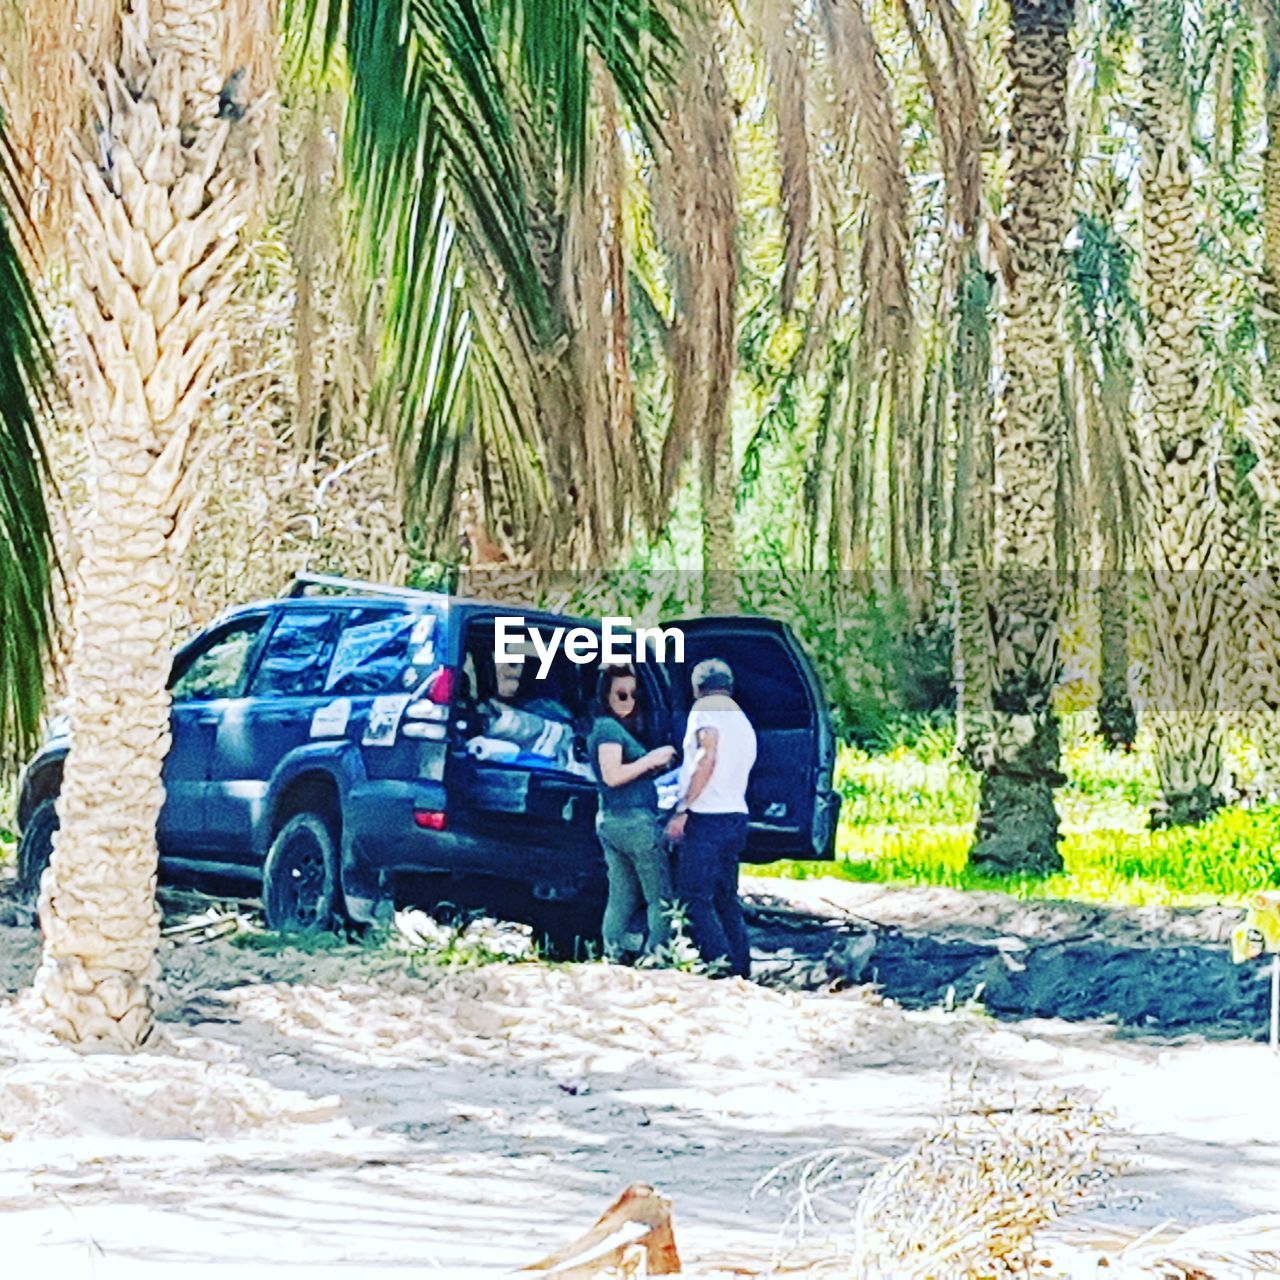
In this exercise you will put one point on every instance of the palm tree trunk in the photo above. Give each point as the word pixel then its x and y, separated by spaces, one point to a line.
pixel 1267 426
pixel 1017 828
pixel 1117 722
pixel 719 539
pixel 975 479
pixel 1187 654
pixel 1264 586
pixel 157 209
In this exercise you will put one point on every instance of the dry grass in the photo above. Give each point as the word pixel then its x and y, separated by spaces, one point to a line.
pixel 1247 1248
pixel 968 1199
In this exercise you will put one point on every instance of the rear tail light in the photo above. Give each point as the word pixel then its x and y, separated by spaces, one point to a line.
pixel 439 688
pixel 432 705
pixel 429 819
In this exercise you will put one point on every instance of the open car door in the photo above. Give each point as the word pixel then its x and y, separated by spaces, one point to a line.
pixel 793 808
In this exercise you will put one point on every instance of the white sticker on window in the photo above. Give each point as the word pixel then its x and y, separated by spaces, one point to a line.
pixel 384 719
pixel 330 721
pixel 423 629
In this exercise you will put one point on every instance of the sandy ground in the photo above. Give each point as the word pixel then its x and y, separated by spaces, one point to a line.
pixel 341 1114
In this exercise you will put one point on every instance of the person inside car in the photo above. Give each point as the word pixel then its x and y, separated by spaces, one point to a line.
pixel 710 819
pixel 627 823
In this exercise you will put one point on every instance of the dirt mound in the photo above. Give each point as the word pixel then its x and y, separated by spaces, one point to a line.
pixel 1154 969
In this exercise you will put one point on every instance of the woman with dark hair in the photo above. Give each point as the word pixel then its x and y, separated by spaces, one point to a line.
pixel 634 851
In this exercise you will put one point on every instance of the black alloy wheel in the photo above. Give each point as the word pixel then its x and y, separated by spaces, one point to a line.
pixel 299 879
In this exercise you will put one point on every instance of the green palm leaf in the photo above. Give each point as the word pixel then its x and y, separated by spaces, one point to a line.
pixel 442 93
pixel 26 544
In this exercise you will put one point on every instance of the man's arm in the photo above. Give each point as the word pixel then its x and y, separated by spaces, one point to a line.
pixel 708 740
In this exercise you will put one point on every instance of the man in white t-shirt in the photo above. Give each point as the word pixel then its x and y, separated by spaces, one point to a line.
pixel 710 821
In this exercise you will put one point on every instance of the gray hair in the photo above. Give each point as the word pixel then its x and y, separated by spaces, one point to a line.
pixel 712 675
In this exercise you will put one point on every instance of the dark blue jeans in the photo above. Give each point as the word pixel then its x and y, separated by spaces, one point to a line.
pixel 707 887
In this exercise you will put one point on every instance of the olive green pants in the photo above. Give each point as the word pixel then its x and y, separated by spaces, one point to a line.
pixel 635 854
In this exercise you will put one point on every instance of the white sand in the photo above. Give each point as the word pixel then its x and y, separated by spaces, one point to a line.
pixel 373 1122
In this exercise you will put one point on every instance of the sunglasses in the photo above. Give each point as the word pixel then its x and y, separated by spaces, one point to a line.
pixel 622 695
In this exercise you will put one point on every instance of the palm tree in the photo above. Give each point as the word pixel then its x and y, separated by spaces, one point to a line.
pixel 965 320
pixel 1183 529
pixel 25 538
pixel 158 180
pixel 1018 756
pixel 1102 317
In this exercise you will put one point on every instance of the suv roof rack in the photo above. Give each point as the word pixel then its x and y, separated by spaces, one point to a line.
pixel 350 586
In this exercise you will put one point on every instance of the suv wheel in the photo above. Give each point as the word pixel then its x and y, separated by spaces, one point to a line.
pixel 35 849
pixel 299 879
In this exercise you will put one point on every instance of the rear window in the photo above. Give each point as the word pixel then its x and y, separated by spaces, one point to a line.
pixel 382 651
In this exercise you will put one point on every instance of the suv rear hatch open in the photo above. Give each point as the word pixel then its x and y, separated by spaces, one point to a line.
pixel 793 808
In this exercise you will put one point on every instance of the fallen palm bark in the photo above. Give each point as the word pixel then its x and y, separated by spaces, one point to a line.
pixel 204 928
pixel 634 1237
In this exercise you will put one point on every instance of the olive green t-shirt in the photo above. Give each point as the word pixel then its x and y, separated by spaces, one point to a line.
pixel 640 794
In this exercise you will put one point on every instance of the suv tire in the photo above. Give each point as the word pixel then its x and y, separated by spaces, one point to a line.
pixel 299 878
pixel 35 849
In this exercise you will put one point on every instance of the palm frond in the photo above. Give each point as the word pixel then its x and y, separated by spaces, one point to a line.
pixel 26 543
pixel 785 41
pixel 695 208
pixel 466 137
pixel 866 101
pixel 958 100
pixel 552 41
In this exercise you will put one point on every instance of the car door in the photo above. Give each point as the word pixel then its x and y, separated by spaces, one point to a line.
pixel 271 719
pixel 793 807
pixel 208 676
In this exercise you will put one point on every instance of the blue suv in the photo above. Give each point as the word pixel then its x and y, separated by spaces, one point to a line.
pixel 324 750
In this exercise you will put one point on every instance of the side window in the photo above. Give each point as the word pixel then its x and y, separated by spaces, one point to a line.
pixel 296 657
pixel 218 669
pixel 382 651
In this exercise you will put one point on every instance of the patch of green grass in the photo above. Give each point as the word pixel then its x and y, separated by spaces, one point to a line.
pixel 269 943
pixel 908 818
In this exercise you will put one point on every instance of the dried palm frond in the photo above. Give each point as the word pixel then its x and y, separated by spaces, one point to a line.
pixel 962 140
pixel 866 101
pixel 635 469
pixel 695 205
pixel 45 90
pixel 970 1197
pixel 250 70
pixel 785 43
